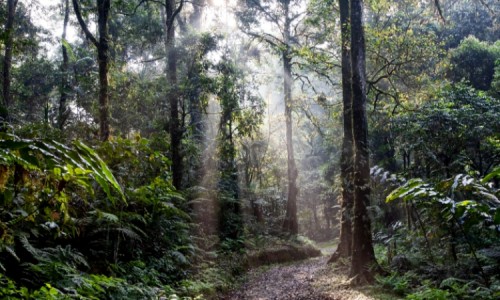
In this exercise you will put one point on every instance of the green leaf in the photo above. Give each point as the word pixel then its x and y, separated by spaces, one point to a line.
pixel 7 195
pixel 496 218
pixel 69 50
pixel 405 189
pixel 109 217
pixel 460 211
pixel 467 203
pixel 12 253
pixel 493 174
pixel 102 170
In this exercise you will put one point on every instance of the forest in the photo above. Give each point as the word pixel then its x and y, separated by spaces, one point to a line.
pixel 250 149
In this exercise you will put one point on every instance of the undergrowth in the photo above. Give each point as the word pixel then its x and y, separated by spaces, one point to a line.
pixel 448 247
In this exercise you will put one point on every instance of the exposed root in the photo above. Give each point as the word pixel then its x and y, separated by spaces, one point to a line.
pixel 365 278
pixel 334 258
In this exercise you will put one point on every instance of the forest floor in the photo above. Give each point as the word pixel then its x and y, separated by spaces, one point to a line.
pixel 311 279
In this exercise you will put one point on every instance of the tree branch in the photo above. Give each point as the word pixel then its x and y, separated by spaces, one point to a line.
pixel 153 59
pixel 438 7
pixel 83 25
pixel 135 9
pixel 269 16
pixel 266 37
pixel 176 12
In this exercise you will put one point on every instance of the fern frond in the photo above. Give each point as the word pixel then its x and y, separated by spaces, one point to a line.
pixel 66 255
pixel 133 216
pixel 85 221
pixel 137 230
pixel 12 253
pixel 128 233
pixel 105 216
pixel 28 247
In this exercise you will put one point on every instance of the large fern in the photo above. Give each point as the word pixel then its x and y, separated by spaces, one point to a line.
pixel 50 156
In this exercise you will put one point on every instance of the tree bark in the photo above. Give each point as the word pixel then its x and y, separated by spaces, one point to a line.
pixel 195 107
pixel 290 224
pixel 103 7
pixel 363 263
pixel 230 208
pixel 7 60
pixel 102 45
pixel 63 112
pixel 346 160
pixel 174 124
pixel 230 214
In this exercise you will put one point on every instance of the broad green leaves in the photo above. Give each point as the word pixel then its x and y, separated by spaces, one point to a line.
pixel 494 174
pixel 414 188
pixel 461 199
pixel 78 163
pixel 100 171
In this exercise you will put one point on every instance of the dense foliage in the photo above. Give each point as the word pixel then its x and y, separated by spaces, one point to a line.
pixel 143 158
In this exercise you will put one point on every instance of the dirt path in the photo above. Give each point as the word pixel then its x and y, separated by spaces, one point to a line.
pixel 311 279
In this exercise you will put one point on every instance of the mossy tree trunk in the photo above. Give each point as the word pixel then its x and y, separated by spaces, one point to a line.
pixel 290 224
pixel 363 262
pixel 171 12
pixel 346 159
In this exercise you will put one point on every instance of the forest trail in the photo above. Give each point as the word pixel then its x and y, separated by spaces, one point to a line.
pixel 310 279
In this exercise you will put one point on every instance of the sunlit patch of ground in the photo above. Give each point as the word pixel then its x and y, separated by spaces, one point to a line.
pixel 327 248
pixel 311 279
pixel 279 282
pixel 332 281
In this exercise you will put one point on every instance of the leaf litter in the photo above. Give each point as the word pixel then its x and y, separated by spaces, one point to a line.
pixel 311 279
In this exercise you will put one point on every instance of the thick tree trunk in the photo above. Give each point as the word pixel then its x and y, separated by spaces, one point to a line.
pixel 174 122
pixel 346 159
pixel 7 60
pixel 363 263
pixel 290 223
pixel 63 112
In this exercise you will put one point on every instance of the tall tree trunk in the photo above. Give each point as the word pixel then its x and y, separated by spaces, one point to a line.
pixel 7 60
pixel 195 109
pixel 196 123
pixel 346 159
pixel 230 215
pixel 363 263
pixel 290 223
pixel 63 112
pixel 102 45
pixel 174 123
pixel 231 222
pixel 103 7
